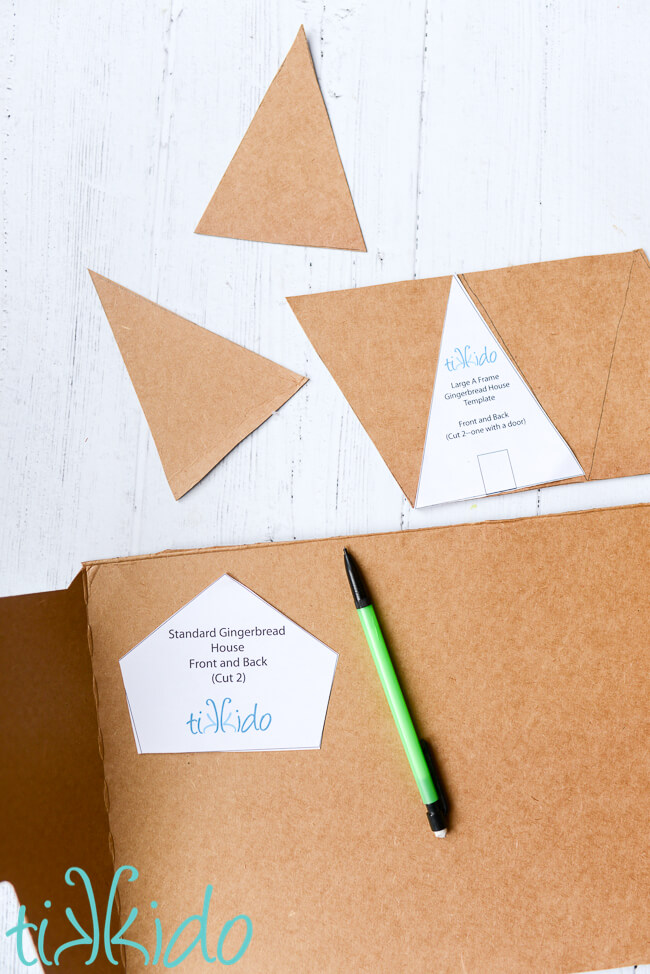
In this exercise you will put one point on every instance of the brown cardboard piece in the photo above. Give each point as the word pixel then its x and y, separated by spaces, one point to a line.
pixel 578 330
pixel 285 183
pixel 381 345
pixel 522 649
pixel 622 446
pixel 201 394
pixel 54 815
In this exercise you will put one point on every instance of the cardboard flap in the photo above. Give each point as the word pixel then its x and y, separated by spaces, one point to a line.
pixel 558 321
pixel 527 682
pixel 201 394
pixel 381 346
pixel 286 184
pixel 54 816
pixel 623 446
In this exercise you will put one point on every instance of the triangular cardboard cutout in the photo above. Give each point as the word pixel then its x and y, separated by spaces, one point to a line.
pixel 285 183
pixel 381 346
pixel 228 672
pixel 201 394
pixel 622 448
pixel 578 331
pixel 559 320
pixel 487 433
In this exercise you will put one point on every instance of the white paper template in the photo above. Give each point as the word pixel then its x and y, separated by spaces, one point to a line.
pixel 228 672
pixel 487 432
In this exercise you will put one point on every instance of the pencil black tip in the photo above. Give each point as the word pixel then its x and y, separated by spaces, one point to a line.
pixel 357 583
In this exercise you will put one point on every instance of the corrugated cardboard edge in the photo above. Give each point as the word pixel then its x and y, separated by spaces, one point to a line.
pixel 100 746
pixel 176 552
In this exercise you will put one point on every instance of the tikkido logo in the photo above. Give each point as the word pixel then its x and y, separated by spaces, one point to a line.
pixel 233 942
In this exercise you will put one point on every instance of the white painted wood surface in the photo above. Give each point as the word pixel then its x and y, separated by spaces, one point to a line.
pixel 473 135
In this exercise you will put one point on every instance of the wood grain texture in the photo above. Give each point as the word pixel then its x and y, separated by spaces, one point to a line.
pixel 472 136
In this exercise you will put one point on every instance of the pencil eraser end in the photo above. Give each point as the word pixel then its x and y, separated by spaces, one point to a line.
pixel 440 834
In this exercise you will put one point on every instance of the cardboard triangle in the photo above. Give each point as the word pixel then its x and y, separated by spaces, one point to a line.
pixel 381 346
pixel 624 427
pixel 201 394
pixel 285 183
pixel 474 447
pixel 558 320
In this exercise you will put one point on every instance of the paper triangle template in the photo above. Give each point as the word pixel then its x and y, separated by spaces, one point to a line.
pixel 487 433
pixel 286 184
pixel 201 394
pixel 228 672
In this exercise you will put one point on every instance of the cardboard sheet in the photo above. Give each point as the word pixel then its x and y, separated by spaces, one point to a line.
pixel 285 183
pixel 578 331
pixel 201 394
pixel 522 648
pixel 53 803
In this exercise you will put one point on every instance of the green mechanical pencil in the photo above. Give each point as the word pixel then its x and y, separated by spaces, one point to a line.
pixel 417 751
